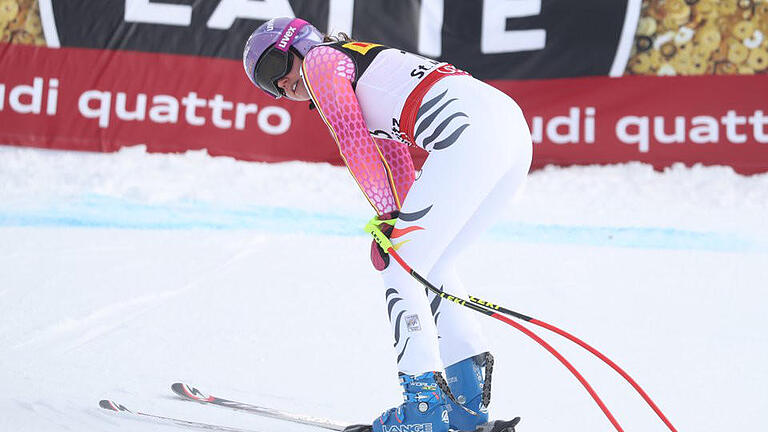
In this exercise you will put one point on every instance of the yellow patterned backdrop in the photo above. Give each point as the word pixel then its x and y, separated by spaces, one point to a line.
pixel 20 22
pixel 697 37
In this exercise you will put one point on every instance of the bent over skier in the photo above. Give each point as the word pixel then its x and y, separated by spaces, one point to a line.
pixel 377 101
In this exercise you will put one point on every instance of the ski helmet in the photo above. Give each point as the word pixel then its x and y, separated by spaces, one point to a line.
pixel 267 54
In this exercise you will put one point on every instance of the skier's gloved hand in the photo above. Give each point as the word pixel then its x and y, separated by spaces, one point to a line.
pixel 380 227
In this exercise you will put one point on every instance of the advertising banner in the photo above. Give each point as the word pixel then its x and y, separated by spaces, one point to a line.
pixel 495 39
pixel 54 100
pixel 659 81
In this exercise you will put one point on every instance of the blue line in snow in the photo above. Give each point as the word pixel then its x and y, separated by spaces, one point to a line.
pixel 96 211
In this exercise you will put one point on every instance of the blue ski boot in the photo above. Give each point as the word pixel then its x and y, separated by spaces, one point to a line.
pixel 471 388
pixel 425 408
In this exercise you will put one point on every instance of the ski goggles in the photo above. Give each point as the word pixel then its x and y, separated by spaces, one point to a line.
pixel 272 66
pixel 277 61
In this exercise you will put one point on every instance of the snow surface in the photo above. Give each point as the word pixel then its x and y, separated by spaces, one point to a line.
pixel 122 273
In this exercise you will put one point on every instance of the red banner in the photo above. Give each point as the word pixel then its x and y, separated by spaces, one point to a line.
pixel 86 99
pixel 98 100
pixel 713 120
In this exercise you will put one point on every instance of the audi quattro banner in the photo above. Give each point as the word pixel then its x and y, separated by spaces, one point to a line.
pixel 612 121
pixel 98 75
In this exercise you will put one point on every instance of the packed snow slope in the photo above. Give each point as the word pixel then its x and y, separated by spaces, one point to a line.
pixel 122 273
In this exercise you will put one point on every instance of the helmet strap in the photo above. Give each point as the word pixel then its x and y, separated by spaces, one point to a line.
pixel 289 34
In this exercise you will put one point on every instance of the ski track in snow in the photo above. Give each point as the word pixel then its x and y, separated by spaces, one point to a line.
pixel 106 319
pixel 95 324
pixel 122 273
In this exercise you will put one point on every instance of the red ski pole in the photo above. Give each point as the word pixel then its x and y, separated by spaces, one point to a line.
pixel 493 310
pixel 584 345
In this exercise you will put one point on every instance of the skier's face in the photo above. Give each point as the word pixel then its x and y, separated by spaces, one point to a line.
pixel 292 83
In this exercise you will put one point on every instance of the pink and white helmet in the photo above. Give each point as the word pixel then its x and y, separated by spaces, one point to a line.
pixel 267 54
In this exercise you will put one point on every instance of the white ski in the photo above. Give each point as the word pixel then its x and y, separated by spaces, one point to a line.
pixel 188 392
pixel 122 410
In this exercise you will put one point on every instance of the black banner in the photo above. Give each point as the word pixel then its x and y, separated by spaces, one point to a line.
pixel 565 39
pixel 493 39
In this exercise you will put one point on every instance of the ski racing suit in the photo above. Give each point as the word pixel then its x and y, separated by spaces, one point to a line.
pixel 377 101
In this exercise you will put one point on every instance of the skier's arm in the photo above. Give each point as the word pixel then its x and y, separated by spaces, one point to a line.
pixel 396 155
pixel 328 75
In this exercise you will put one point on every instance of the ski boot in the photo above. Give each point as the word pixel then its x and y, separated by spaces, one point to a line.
pixel 428 408
pixel 494 426
pixel 470 394
pixel 424 409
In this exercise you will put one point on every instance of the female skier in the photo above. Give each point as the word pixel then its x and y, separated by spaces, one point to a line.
pixel 377 101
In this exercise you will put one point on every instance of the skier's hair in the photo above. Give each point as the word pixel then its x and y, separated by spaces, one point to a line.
pixel 338 37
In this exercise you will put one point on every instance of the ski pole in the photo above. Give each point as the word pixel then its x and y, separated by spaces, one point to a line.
pixel 487 307
pixel 584 345
pixel 386 245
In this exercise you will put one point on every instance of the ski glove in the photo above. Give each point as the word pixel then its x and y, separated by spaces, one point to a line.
pixel 380 227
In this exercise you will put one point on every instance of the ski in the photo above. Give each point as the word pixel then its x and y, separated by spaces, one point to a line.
pixel 188 392
pixel 121 409
pixel 191 393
